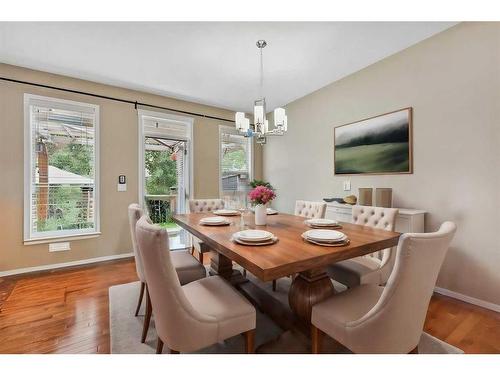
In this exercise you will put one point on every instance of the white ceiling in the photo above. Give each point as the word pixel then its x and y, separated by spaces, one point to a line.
pixel 212 63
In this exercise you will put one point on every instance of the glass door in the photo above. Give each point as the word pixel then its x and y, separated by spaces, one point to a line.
pixel 165 175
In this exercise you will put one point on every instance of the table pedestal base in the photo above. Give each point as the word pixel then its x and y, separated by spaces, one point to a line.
pixel 307 289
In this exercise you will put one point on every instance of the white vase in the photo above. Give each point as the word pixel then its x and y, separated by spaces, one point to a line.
pixel 260 214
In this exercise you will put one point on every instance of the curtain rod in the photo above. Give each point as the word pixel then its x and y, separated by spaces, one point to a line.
pixel 135 103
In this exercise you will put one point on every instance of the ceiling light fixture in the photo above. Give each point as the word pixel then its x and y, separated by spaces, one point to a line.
pixel 260 127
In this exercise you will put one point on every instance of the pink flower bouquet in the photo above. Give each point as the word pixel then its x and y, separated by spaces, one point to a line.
pixel 261 195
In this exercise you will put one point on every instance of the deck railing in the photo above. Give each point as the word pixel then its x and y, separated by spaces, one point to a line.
pixel 161 207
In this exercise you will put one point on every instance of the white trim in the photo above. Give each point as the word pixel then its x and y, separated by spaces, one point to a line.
pixel 188 122
pixel 468 299
pixel 231 130
pixel 63 265
pixel 73 237
pixel 29 100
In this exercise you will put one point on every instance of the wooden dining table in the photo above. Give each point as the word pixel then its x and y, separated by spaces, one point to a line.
pixel 291 255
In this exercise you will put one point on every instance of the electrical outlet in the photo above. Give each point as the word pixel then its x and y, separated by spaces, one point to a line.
pixel 59 246
pixel 347 185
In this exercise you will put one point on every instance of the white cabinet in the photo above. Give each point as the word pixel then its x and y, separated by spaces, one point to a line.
pixel 407 221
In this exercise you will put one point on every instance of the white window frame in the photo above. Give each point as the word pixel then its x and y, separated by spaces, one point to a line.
pixel 54 236
pixel 186 121
pixel 224 129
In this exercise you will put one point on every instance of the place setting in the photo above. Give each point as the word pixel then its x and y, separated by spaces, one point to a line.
pixel 227 212
pixel 214 221
pixel 271 211
pixel 323 224
pixel 325 237
pixel 254 237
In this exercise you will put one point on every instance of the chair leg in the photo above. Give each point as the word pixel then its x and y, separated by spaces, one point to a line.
pixel 316 339
pixel 274 285
pixel 141 294
pixel 249 341
pixel 147 317
pixel 244 272
pixel 414 351
pixel 159 346
pixel 201 257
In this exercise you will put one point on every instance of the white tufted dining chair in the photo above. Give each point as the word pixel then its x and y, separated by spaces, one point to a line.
pixel 373 268
pixel 187 267
pixel 311 210
pixel 203 206
pixel 196 315
pixel 375 319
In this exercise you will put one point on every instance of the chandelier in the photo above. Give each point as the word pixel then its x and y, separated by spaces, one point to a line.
pixel 260 128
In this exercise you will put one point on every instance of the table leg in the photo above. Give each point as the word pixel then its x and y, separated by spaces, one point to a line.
pixel 307 289
pixel 223 266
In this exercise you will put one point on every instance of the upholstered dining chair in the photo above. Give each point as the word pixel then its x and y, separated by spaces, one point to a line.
pixel 207 206
pixel 196 315
pixel 373 268
pixel 187 267
pixel 309 210
pixel 375 319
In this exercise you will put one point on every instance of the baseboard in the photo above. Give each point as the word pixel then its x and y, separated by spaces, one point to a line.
pixel 468 299
pixel 63 265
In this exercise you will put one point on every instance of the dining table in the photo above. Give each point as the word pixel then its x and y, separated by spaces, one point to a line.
pixel 290 256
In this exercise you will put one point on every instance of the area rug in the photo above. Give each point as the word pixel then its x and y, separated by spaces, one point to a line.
pixel 126 329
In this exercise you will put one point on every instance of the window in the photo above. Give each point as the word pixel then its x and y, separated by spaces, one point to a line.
pixel 236 165
pixel 61 168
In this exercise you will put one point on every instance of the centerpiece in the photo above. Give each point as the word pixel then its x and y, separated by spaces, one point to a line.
pixel 260 196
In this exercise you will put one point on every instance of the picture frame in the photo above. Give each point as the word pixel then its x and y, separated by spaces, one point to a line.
pixel 377 145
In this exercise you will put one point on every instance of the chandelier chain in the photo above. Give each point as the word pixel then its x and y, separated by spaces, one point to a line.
pixel 261 73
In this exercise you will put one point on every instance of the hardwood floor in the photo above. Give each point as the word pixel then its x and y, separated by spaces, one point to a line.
pixel 66 311
pixel 63 311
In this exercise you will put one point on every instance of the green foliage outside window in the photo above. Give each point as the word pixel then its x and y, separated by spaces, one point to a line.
pixel 234 160
pixel 73 157
pixel 67 205
pixel 161 171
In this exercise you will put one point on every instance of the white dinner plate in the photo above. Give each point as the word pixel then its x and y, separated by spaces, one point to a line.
pixel 253 235
pixel 213 220
pixel 271 211
pixel 322 222
pixel 320 243
pixel 270 241
pixel 225 212
pixel 325 235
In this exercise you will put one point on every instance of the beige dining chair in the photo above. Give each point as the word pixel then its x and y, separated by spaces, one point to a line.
pixel 373 268
pixel 203 206
pixel 187 267
pixel 308 210
pixel 375 319
pixel 196 315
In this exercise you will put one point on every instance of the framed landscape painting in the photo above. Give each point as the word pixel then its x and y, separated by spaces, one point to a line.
pixel 376 145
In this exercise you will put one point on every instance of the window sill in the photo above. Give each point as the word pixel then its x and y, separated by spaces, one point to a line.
pixel 72 237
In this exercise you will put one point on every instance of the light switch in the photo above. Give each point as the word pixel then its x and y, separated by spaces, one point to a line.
pixel 347 185
pixel 122 183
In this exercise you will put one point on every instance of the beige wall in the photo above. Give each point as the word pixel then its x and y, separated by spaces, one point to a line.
pixel 452 81
pixel 119 148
